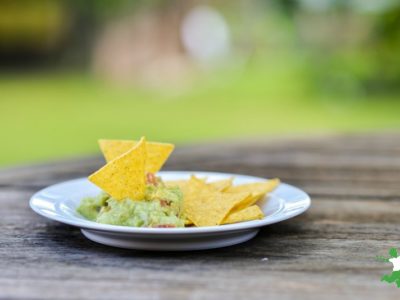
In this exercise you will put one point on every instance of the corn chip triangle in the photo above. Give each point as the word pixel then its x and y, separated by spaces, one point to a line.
pixel 124 176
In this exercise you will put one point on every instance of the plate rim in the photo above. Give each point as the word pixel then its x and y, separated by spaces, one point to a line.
pixel 91 225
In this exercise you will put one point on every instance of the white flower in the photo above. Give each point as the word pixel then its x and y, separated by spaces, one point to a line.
pixel 396 263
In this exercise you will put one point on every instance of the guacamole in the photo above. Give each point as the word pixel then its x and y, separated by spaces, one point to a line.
pixel 162 207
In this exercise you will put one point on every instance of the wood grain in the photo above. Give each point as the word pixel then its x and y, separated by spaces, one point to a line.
pixel 327 253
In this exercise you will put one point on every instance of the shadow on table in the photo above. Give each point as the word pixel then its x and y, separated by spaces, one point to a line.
pixel 273 243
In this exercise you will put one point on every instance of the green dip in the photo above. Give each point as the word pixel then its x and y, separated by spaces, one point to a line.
pixel 162 207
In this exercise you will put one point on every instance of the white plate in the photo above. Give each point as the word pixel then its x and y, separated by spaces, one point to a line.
pixel 59 202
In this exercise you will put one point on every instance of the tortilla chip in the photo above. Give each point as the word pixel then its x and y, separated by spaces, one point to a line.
pixel 221 185
pixel 250 213
pixel 157 153
pixel 113 148
pixel 205 206
pixel 249 201
pixel 179 183
pixel 182 183
pixel 124 177
pixel 188 222
pixel 258 189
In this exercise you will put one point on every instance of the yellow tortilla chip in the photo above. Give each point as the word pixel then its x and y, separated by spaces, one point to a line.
pixel 188 222
pixel 249 201
pixel 250 213
pixel 182 183
pixel 124 177
pixel 183 186
pixel 258 189
pixel 179 183
pixel 221 185
pixel 157 153
pixel 113 148
pixel 205 206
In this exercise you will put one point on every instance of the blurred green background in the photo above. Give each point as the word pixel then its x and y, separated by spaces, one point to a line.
pixel 192 71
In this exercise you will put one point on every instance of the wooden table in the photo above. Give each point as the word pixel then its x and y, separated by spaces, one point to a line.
pixel 327 253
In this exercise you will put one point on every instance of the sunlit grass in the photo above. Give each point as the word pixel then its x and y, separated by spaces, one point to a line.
pixel 50 116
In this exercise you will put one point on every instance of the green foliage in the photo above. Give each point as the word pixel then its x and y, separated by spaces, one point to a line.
pixel 393 252
pixel 58 115
pixel 382 259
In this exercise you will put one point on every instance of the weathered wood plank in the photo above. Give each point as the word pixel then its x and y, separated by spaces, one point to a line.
pixel 327 253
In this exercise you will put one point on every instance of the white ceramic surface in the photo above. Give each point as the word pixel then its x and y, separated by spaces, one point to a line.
pixel 59 202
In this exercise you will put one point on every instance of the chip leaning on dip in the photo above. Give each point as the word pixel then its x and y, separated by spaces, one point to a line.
pixel 133 196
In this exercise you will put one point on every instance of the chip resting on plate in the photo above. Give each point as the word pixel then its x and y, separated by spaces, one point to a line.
pixel 248 214
pixel 205 206
pixel 221 185
pixel 157 153
pixel 183 183
pixel 244 210
pixel 124 176
pixel 257 189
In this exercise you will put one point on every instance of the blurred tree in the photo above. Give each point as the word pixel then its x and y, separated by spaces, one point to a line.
pixel 30 30
pixel 350 46
pixel 384 48
pixel 287 7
